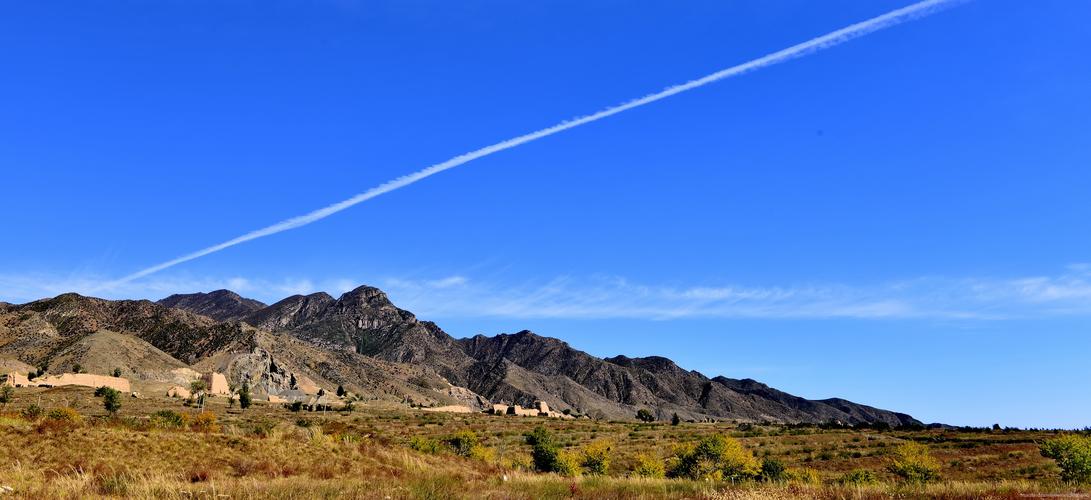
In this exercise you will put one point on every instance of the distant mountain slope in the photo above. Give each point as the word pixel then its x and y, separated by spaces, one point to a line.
pixel 220 305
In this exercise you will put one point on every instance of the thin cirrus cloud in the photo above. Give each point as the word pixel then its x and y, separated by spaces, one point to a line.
pixel 1067 293
pixel 893 18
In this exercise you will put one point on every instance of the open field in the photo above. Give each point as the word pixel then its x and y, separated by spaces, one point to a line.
pixel 268 451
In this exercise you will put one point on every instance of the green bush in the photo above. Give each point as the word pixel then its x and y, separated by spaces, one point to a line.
pixel 912 462
pixel 6 393
pixel 168 419
pixel 111 400
pixel 858 477
pixel 772 470
pixel 425 444
pixel 715 458
pixel 463 442
pixel 64 414
pixel 1072 454
pixel 547 455
pixel 645 416
pixel 244 395
pixel 32 412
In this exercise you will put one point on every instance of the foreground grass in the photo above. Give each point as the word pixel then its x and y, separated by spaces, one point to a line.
pixel 268 452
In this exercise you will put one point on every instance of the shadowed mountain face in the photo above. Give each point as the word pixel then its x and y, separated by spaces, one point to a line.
pixel 220 305
pixel 362 340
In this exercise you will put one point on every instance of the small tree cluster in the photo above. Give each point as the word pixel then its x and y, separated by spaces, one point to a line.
pixel 644 415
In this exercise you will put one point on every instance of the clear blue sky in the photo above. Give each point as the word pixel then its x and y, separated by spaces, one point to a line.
pixel 901 220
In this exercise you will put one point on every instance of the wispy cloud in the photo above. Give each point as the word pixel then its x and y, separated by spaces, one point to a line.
pixel 831 39
pixel 1067 293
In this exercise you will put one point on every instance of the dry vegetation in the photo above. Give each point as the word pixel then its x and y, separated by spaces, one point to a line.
pixel 156 447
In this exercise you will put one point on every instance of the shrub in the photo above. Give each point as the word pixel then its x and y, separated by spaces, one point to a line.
pixel 772 470
pixel 340 391
pixel 205 422
pixel 117 372
pixel 648 466
pixel 566 464
pixel 244 395
pixel 6 393
pixel 806 476
pixel 463 442
pixel 858 477
pixel 912 462
pixel 32 412
pixel 645 416
pixel 295 406
pixel 595 458
pixel 169 419
pixel 111 400
pixel 64 414
pixel 675 419
pixel 547 456
pixel 425 445
pixel 1072 454
pixel 715 458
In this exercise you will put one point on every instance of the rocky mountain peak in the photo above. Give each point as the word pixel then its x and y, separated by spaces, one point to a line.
pixel 220 305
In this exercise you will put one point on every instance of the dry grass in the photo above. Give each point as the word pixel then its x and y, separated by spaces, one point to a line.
pixel 269 452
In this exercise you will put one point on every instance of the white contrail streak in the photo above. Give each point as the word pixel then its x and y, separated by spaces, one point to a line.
pixel 838 37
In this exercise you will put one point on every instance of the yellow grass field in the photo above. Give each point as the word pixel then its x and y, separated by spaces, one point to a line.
pixel 268 451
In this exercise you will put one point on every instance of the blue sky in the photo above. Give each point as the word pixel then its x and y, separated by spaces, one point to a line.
pixel 900 220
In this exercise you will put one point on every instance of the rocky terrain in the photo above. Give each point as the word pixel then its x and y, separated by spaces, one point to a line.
pixel 364 342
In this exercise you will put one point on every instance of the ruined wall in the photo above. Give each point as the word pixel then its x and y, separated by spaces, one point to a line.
pixel 83 379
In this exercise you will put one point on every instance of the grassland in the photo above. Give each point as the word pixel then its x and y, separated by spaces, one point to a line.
pixel 268 451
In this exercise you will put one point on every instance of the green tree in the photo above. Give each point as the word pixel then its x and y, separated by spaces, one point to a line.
pixel 715 458
pixel 77 368
pixel 1072 454
pixel 340 391
pixel 644 415
pixel 545 452
pixel 111 400
pixel 675 419
pixel 244 395
pixel 6 394
pixel 196 392
pixel 117 372
pixel 292 384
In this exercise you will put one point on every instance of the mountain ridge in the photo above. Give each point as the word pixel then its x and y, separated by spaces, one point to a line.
pixel 363 341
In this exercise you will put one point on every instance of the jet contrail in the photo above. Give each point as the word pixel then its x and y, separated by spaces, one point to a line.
pixel 838 37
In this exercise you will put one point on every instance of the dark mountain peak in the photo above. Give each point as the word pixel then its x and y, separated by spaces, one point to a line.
pixel 220 305
pixel 654 364
pixel 290 312
pixel 367 297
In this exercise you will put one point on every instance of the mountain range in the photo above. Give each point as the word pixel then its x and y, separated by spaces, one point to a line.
pixel 376 350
